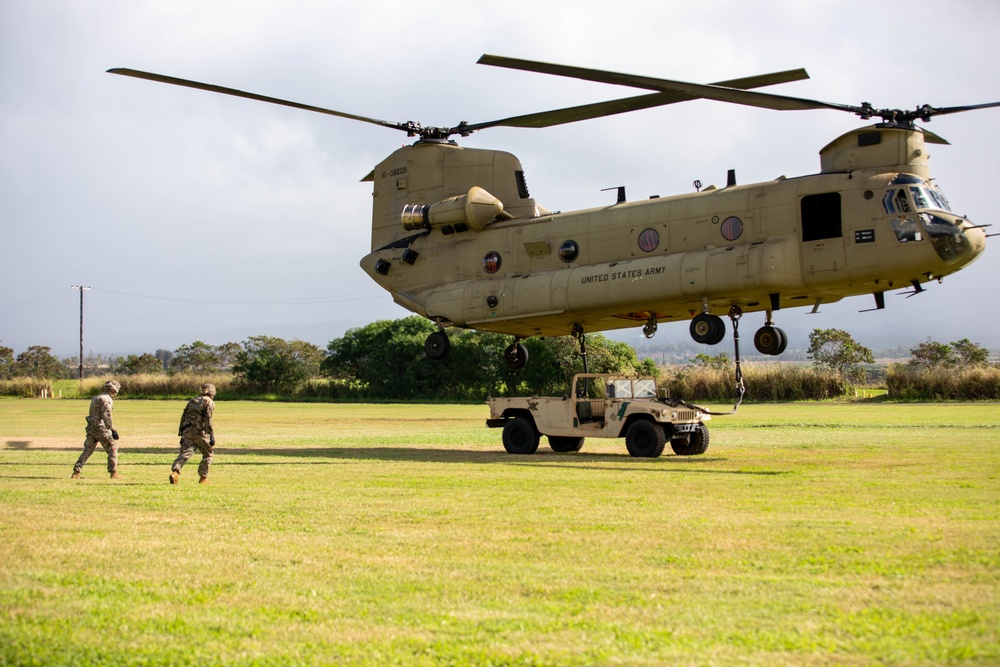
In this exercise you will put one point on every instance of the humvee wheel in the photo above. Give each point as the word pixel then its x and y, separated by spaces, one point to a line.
pixel 645 439
pixel 697 444
pixel 520 436
pixel 564 444
pixel 437 345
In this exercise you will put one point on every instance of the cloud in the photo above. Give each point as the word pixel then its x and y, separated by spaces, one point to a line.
pixel 159 191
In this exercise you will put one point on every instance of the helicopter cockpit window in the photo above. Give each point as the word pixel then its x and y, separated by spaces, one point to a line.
pixel 929 198
pixel 907 229
pixel 895 202
pixel 949 242
pixel 920 198
pixel 938 196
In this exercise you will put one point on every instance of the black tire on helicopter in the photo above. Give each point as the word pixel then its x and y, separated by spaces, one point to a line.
pixel 437 345
pixel 708 329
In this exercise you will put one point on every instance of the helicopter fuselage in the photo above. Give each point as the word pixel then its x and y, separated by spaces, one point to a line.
pixel 869 222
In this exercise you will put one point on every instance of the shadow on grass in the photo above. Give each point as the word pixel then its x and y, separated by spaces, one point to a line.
pixel 331 455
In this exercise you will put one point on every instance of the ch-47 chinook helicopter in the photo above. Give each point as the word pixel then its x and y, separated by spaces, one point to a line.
pixel 457 238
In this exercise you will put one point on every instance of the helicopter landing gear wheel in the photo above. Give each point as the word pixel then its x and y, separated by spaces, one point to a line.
pixel 708 329
pixel 770 340
pixel 515 356
pixel 437 345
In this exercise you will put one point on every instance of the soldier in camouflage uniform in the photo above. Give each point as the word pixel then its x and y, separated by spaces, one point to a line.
pixel 196 432
pixel 100 429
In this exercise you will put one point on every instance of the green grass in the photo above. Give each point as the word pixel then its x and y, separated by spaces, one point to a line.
pixel 815 533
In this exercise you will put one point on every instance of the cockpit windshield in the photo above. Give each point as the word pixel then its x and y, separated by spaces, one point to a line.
pixel 913 195
pixel 918 211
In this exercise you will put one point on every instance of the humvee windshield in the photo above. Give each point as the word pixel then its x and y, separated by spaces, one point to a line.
pixel 625 388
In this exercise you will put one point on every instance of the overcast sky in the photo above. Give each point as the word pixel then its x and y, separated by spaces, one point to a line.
pixel 195 216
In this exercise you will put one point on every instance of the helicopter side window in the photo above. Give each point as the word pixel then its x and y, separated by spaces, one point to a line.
pixel 939 197
pixel 906 229
pixel 902 203
pixel 821 217
pixel 889 202
pixel 920 197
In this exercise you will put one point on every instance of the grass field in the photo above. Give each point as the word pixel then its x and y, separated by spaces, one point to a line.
pixel 808 534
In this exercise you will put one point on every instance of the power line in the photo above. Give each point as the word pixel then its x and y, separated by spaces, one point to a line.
pixel 32 302
pixel 304 301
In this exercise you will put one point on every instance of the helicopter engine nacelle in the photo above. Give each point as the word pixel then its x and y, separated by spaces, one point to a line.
pixel 475 210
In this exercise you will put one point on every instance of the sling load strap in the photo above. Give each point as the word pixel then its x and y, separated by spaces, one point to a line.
pixel 735 313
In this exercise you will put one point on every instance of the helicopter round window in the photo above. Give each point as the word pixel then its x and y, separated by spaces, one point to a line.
pixel 732 228
pixel 569 251
pixel 491 262
pixel 648 240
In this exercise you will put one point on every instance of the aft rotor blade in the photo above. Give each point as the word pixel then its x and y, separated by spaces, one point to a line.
pixel 693 90
pixel 251 96
pixel 933 138
pixel 612 107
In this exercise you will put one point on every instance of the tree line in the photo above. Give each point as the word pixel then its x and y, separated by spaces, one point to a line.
pixel 385 360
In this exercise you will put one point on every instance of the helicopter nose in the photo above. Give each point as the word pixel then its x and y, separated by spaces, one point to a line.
pixel 955 240
pixel 976 237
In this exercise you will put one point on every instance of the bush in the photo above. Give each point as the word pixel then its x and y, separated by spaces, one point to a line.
pixel 915 383
pixel 25 387
pixel 764 382
pixel 180 385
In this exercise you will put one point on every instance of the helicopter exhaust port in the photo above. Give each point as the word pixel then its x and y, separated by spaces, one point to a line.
pixel 473 210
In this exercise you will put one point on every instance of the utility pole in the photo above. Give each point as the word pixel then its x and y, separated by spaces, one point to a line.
pixel 81 288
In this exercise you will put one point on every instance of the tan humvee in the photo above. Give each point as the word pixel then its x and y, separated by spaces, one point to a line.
pixel 602 406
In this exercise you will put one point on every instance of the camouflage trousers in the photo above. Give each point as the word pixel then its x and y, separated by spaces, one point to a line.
pixel 189 443
pixel 98 435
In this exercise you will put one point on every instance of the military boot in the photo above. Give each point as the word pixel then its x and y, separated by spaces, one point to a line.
pixel 175 476
pixel 114 474
pixel 203 480
pixel 75 475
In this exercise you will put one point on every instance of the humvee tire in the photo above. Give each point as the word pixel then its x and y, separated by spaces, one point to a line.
pixel 645 439
pixel 520 436
pixel 697 444
pixel 564 444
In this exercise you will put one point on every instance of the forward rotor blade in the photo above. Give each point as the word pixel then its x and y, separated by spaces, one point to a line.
pixel 252 96
pixel 612 107
pixel 694 90
pixel 971 107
